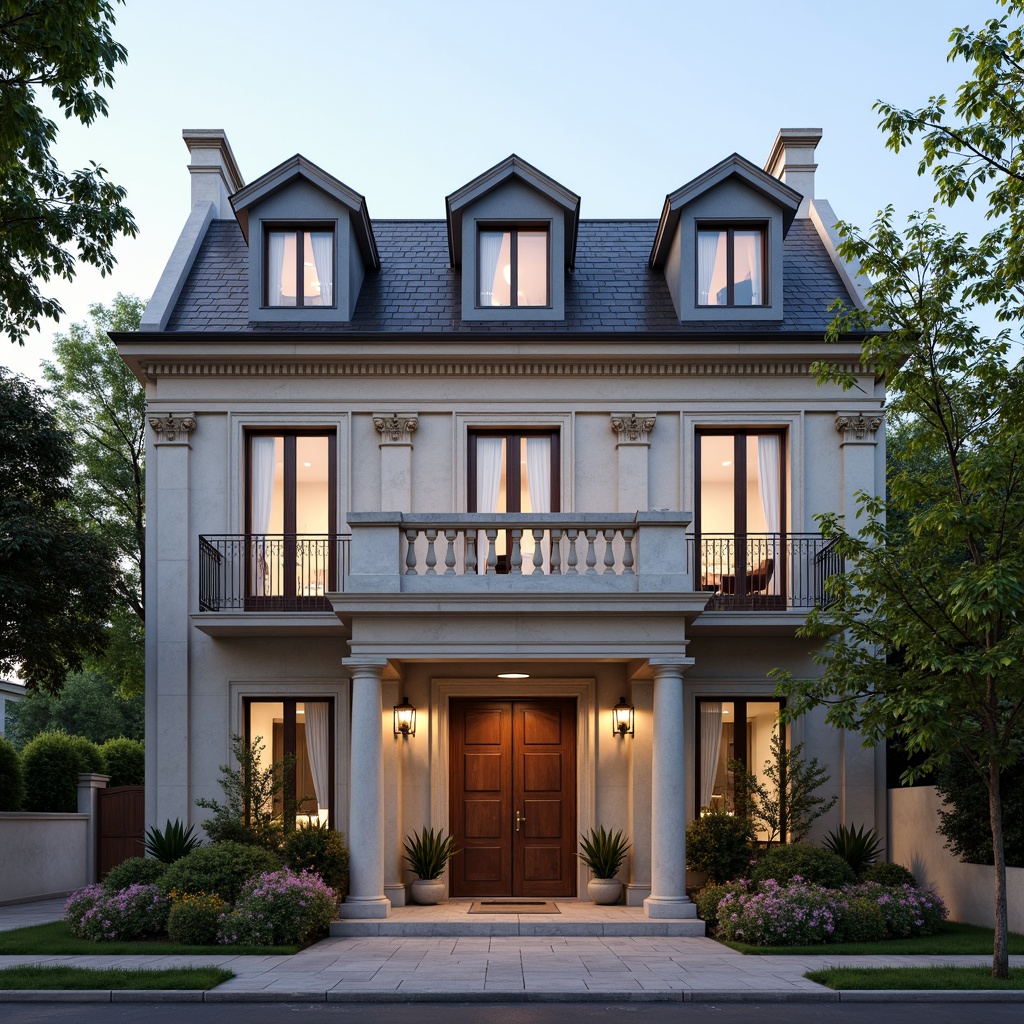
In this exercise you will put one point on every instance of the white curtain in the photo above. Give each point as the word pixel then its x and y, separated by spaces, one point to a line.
pixel 707 249
pixel 490 250
pixel 768 454
pixel 318 748
pixel 751 257
pixel 275 268
pixel 261 489
pixel 538 477
pixel 488 485
pixel 323 261
pixel 710 744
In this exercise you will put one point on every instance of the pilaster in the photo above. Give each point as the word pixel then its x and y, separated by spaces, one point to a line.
pixel 633 431
pixel 857 447
pixel 396 430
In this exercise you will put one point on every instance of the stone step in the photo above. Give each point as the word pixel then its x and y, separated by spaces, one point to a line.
pixel 513 924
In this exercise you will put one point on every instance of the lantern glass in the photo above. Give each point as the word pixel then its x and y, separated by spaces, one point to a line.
pixel 405 719
pixel 622 718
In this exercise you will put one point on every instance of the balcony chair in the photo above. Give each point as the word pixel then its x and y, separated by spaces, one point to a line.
pixel 757 580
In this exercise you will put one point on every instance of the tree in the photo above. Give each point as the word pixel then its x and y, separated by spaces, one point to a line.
pixel 101 403
pixel 65 49
pixel 56 579
pixel 924 639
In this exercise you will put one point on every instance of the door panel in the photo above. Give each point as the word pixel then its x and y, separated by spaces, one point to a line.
pixel 513 797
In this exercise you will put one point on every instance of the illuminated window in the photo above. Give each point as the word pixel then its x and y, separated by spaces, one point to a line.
pixel 513 267
pixel 300 267
pixel 730 266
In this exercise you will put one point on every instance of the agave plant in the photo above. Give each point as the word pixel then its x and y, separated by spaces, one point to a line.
pixel 428 853
pixel 857 847
pixel 603 851
pixel 173 843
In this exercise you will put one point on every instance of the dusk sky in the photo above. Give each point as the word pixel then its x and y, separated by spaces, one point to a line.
pixel 622 102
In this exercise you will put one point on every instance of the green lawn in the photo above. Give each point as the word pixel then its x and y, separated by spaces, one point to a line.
pixel 50 978
pixel 56 937
pixel 931 978
pixel 951 940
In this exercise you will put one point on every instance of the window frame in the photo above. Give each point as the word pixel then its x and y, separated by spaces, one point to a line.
pixel 298 229
pixel 514 228
pixel 513 479
pixel 730 227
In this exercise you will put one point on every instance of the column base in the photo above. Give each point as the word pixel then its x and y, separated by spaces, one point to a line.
pixel 362 910
pixel 636 894
pixel 396 894
pixel 677 909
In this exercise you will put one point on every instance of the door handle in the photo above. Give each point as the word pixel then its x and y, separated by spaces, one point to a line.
pixel 519 818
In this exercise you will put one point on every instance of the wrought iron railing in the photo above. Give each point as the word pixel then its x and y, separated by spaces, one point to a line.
pixel 753 571
pixel 271 572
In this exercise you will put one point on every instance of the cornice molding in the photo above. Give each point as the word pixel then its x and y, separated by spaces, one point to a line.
pixel 633 429
pixel 173 428
pixel 395 427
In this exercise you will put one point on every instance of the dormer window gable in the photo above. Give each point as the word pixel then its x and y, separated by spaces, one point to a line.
pixel 310 244
pixel 512 233
pixel 719 243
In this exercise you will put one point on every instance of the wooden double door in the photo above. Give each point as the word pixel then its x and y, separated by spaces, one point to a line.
pixel 513 797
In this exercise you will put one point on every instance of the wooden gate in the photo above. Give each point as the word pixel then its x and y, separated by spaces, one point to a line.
pixel 121 828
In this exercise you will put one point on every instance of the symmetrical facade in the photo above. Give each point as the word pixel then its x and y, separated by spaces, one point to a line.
pixel 501 472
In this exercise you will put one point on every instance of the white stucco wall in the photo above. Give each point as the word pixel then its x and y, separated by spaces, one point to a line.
pixel 42 855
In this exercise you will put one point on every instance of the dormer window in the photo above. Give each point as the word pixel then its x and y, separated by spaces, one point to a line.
pixel 300 267
pixel 513 267
pixel 731 265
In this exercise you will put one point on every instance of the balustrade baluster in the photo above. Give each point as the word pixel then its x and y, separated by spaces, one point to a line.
pixel 609 552
pixel 627 551
pixel 449 555
pixel 556 551
pixel 470 552
pixel 538 551
pixel 410 551
pixel 492 552
pixel 515 561
pixel 431 555
pixel 591 554
pixel 572 534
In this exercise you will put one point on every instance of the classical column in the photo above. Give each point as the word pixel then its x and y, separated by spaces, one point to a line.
pixel 639 886
pixel 668 796
pixel 633 431
pixel 396 430
pixel 391 763
pixel 366 897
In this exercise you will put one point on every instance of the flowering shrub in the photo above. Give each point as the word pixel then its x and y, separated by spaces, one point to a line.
pixel 709 898
pixel 908 910
pixel 130 913
pixel 279 907
pixel 800 914
pixel 195 917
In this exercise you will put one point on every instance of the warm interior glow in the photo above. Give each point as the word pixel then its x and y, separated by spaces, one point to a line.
pixel 513 675
pixel 531 265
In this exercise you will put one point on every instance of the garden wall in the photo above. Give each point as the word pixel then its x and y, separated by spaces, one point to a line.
pixel 43 855
pixel 967 889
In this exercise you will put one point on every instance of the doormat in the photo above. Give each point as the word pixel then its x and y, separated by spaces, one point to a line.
pixel 513 907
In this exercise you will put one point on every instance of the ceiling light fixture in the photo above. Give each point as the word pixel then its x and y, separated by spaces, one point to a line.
pixel 513 675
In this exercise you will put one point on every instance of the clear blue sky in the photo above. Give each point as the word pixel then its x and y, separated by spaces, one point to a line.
pixel 405 101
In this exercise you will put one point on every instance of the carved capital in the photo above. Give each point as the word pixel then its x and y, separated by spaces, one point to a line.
pixel 633 429
pixel 173 428
pixel 396 427
pixel 859 427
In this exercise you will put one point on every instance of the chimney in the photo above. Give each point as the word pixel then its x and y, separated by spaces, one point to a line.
pixel 792 161
pixel 215 175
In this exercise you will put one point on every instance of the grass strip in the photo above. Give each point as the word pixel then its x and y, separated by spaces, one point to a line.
pixel 953 939
pixel 55 937
pixel 946 979
pixel 81 978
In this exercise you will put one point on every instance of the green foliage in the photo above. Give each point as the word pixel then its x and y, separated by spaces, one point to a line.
pixel 126 761
pixel 102 405
pixel 60 55
pixel 88 705
pixel 278 907
pixel 315 847
pixel 888 874
pixel 221 868
pixel 784 801
pixel 247 813
pixel 52 763
pixel 427 853
pixel 708 898
pixel 56 578
pixel 195 918
pixel 134 871
pixel 857 847
pixel 811 863
pixel 603 851
pixel 12 787
pixel 103 916
pixel 173 843
pixel 862 920
pixel 720 845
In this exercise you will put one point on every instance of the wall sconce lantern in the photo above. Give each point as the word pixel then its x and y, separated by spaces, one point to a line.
pixel 405 719
pixel 622 718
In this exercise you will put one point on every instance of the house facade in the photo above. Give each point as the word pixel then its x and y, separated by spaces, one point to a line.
pixel 496 522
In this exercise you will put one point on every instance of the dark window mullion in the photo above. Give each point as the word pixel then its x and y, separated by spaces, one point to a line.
pixel 730 277
pixel 290 517
pixel 300 288
pixel 513 247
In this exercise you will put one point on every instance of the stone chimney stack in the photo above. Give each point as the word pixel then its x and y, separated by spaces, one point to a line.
pixel 215 175
pixel 792 161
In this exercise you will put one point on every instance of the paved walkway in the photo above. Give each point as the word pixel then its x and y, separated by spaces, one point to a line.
pixel 502 968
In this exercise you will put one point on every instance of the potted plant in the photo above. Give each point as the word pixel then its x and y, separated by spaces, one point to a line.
pixel 427 855
pixel 603 852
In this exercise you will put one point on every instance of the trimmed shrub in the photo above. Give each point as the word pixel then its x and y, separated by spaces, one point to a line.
pixel 12 786
pixel 90 757
pixel 131 913
pixel 720 845
pixel 79 904
pixel 134 871
pixel 195 918
pixel 126 761
pixel 279 907
pixel 221 868
pixel 889 874
pixel 53 762
pixel 800 914
pixel 908 910
pixel 862 921
pixel 709 898
pixel 810 863
pixel 320 849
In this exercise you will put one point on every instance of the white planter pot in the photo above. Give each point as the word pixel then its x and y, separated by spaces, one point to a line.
pixel 604 891
pixel 428 891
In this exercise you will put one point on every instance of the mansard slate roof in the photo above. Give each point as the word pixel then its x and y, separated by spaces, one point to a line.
pixel 611 289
